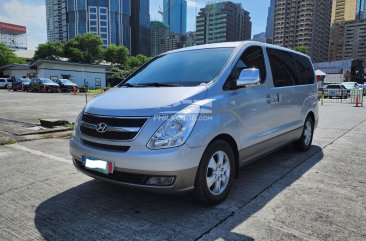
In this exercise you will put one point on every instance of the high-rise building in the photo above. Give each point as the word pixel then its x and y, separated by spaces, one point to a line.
pixel 108 19
pixel 343 10
pixel 304 23
pixel 347 39
pixel 175 15
pixel 270 20
pixel 140 28
pixel 56 13
pixel 14 36
pixel 222 22
pixel 361 10
pixel 158 31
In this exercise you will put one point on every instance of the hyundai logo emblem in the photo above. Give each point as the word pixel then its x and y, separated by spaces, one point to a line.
pixel 102 127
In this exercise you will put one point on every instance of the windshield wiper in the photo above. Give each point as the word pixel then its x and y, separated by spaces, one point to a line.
pixel 128 85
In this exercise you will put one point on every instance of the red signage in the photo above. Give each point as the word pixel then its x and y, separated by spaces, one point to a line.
pixel 13 27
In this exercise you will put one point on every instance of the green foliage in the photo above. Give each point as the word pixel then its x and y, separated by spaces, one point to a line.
pixel 49 50
pixel 136 61
pixel 301 49
pixel 116 54
pixel 85 48
pixel 7 56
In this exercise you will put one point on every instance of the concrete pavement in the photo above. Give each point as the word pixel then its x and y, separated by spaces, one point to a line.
pixel 317 195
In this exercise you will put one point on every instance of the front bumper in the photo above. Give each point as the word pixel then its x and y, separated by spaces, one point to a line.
pixel 133 167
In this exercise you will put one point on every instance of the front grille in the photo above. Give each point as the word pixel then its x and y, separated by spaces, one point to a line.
pixel 113 121
pixel 117 176
pixel 117 128
pixel 107 147
pixel 109 135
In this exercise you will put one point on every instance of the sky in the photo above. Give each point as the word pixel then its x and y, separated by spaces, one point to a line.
pixel 32 14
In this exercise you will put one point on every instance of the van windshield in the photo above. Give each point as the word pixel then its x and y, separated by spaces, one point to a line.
pixel 186 68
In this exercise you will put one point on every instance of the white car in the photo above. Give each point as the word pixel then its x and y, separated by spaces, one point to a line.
pixel 350 85
pixel 5 83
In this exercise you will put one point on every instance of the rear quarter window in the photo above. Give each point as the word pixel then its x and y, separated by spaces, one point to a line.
pixel 305 70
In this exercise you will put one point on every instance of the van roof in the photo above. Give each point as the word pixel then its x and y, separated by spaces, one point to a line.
pixel 234 45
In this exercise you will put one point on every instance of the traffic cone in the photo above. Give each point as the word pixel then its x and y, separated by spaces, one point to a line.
pixel 44 89
pixel 23 89
pixel 74 90
pixel 356 100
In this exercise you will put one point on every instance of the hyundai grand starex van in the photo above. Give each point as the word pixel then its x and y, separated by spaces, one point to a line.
pixel 190 118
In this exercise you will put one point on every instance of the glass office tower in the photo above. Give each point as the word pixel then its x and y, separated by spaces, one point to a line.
pixel 361 9
pixel 175 15
pixel 107 19
pixel 140 28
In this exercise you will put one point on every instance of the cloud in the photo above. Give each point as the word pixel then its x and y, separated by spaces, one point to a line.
pixel 28 14
pixel 17 12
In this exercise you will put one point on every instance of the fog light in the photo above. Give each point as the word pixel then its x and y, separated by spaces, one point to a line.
pixel 160 181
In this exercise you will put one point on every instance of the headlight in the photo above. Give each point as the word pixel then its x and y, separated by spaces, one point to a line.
pixel 176 130
pixel 76 125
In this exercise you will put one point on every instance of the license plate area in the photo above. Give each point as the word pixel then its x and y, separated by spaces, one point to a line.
pixel 95 164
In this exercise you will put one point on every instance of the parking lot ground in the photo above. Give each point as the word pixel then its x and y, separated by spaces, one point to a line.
pixel 317 195
pixel 30 107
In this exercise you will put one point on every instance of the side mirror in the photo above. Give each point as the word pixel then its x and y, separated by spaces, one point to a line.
pixel 249 77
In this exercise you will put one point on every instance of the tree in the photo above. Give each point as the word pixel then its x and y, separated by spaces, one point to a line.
pixel 116 54
pixel 136 61
pixel 7 56
pixel 302 49
pixel 49 50
pixel 85 48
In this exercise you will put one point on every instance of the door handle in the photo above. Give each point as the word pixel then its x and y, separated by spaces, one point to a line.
pixel 272 99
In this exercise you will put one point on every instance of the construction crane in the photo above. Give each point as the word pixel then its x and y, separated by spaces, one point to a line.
pixel 161 13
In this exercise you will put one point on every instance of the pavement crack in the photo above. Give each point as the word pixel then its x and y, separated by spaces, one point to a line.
pixel 216 225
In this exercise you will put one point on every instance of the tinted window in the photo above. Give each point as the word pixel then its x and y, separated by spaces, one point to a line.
pixel 305 70
pixel 253 58
pixel 187 68
pixel 284 71
pixel 1 80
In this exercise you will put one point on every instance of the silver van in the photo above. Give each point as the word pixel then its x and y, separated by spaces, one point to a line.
pixel 190 118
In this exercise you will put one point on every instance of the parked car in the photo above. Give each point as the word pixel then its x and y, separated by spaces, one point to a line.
pixel 336 90
pixel 42 84
pixel 363 88
pixel 190 118
pixel 350 86
pixel 5 83
pixel 21 82
pixel 66 85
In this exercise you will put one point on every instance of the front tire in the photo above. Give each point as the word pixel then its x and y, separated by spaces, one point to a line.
pixel 215 174
pixel 306 139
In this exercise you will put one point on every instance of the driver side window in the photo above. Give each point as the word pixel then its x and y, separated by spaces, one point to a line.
pixel 251 58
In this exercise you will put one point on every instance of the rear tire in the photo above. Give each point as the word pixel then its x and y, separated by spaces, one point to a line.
pixel 215 173
pixel 306 139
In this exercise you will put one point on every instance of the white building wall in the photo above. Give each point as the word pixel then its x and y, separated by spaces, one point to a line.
pixel 77 73
pixel 19 73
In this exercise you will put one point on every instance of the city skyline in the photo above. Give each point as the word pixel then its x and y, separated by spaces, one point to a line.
pixel 33 16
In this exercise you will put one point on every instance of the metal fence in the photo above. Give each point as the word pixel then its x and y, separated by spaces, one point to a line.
pixel 342 96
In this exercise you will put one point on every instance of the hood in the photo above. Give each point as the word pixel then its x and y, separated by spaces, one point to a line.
pixel 69 84
pixel 147 101
pixel 50 84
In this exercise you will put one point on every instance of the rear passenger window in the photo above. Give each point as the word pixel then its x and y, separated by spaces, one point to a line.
pixel 284 70
pixel 305 70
